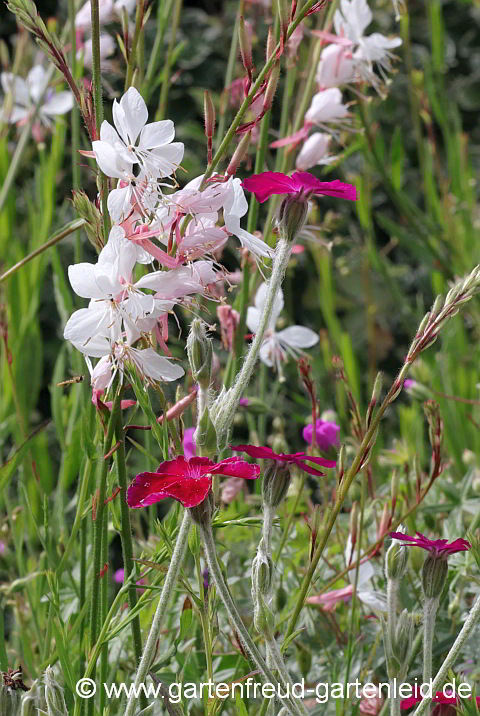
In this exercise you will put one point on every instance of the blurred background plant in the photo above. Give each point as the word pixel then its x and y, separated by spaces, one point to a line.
pixel 363 278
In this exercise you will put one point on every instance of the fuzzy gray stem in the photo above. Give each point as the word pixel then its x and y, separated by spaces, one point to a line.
pixel 167 590
pixel 394 700
pixel 429 613
pixel 227 404
pixel 230 606
pixel 392 591
pixel 278 663
pixel 467 629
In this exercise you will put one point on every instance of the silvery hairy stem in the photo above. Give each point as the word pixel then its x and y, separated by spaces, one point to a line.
pixel 223 410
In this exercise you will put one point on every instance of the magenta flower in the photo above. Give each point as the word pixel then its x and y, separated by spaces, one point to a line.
pixel 119 578
pixel 189 446
pixel 326 434
pixel 266 184
pixel 296 458
pixel 437 547
pixel 187 481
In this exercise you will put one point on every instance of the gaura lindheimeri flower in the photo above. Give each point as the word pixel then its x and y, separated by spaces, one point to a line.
pixel 436 547
pixel 297 458
pixel 134 142
pixel 326 434
pixel 267 184
pixel 276 346
pixel 314 152
pixel 187 481
pixel 25 94
pixel 336 67
pixel 373 599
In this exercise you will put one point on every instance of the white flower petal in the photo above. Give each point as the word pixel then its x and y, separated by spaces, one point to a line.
pixel 83 280
pixel 59 103
pixel 156 367
pixel 298 337
pixel 119 204
pixel 17 86
pixel 36 82
pixel 253 319
pixel 156 134
pixel 135 113
pixel 109 161
pixel 164 161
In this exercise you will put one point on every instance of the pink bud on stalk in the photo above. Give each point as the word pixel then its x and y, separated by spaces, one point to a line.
pixel 209 110
pixel 284 16
pixel 245 49
pixel 239 154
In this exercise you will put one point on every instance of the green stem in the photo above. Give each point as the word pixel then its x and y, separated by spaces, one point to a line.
pixel 167 591
pixel 163 14
pixel 162 106
pixel 79 521
pixel 253 90
pixel 97 538
pixel 98 104
pixel 136 34
pixel 466 631
pixel 75 120
pixel 232 56
pixel 126 534
pixel 342 493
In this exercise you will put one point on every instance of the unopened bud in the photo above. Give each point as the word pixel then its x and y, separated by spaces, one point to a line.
pixel 262 574
pixel 281 598
pixel 54 697
pixel 403 637
pixel 396 560
pixel 245 45
pixel 199 351
pixel 384 521
pixel 209 111
pixel 271 86
pixel 206 435
pixel 271 43
pixel 240 153
pixel 293 215
pixel 93 218
pixel 304 660
pixel 263 618
pixel 434 576
pixel 283 14
pixel 276 481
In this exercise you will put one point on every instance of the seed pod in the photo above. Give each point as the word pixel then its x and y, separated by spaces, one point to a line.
pixel 199 351
pixel 276 481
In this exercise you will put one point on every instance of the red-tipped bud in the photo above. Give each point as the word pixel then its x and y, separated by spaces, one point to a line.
pixel 284 12
pixel 245 45
pixel 271 87
pixel 209 110
pixel 239 154
pixel 271 43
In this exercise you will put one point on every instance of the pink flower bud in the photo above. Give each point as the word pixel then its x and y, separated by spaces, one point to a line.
pixel 239 154
pixel 313 151
pixel 229 319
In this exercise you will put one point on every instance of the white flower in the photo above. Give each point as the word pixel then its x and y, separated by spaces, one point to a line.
pixel 336 67
pixel 276 346
pixel 109 11
pixel 373 599
pixel 26 93
pixel 350 21
pixel 326 107
pixel 118 305
pixel 134 142
pixel 314 151
pixel 149 366
pixel 107 48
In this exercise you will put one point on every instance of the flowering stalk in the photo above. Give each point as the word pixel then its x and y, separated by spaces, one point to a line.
pixel 162 106
pixel 428 330
pixel 465 633
pixel 167 591
pixel 225 406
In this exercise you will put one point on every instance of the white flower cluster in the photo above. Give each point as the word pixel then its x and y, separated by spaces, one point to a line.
pixel 25 93
pixel 348 60
pixel 178 230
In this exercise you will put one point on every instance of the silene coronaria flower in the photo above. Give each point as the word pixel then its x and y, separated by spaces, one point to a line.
pixel 326 434
pixel 267 184
pixel 187 481
pixel 437 547
pixel 297 458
